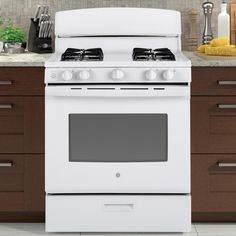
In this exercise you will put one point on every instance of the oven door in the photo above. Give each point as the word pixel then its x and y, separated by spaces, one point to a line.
pixel 117 144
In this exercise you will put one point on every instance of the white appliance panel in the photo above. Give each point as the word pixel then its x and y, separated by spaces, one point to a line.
pixel 117 21
pixel 136 213
pixel 172 176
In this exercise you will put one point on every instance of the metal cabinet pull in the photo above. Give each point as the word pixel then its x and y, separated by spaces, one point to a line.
pixel 6 82
pixel 226 82
pixel 6 164
pixel 6 106
pixel 226 106
pixel 222 164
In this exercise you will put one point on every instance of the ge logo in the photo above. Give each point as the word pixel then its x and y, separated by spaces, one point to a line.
pixel 117 175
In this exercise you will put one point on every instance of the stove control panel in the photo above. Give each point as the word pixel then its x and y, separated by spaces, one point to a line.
pixel 116 75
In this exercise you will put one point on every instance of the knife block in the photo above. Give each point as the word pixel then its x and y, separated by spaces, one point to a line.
pixel 36 44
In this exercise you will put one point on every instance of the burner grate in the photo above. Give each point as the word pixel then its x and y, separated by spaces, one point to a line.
pixel 159 54
pixel 74 54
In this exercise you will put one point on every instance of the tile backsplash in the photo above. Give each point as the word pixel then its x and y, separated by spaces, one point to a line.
pixel 20 11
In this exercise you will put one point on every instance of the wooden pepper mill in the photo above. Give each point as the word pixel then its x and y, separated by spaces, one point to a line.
pixel 192 40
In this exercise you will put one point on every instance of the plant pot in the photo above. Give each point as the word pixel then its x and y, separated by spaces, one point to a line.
pixel 14 48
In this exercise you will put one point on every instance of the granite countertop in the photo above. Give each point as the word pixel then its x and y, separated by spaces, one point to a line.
pixel 211 61
pixel 29 59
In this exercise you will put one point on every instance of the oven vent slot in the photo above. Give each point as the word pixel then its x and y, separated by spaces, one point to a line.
pixel 134 88
pixel 100 88
pixel 76 88
pixel 158 88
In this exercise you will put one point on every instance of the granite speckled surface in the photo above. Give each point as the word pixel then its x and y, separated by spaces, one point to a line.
pixel 201 62
pixel 25 59
pixel 38 60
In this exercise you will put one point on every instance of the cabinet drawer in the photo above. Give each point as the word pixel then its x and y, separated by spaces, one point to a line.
pixel 213 81
pixel 11 173
pixel 21 124
pixel 213 124
pixel 21 81
pixel 21 182
pixel 214 183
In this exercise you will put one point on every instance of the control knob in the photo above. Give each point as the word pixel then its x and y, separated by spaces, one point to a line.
pixel 168 74
pixel 151 75
pixel 67 75
pixel 117 74
pixel 84 74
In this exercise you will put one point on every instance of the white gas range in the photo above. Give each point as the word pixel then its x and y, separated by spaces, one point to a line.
pixel 118 123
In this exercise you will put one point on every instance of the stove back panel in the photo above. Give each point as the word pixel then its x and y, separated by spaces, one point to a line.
pixel 118 21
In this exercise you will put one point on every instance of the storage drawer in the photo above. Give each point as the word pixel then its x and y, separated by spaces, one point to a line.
pixel 21 182
pixel 21 81
pixel 213 124
pixel 21 124
pixel 213 183
pixel 118 213
pixel 11 173
pixel 214 81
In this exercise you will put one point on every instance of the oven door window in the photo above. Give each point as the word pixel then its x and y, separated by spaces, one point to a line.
pixel 118 137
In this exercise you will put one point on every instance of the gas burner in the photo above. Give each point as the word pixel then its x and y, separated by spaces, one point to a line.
pixel 159 54
pixel 74 54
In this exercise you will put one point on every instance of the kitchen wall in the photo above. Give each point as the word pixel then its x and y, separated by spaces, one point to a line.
pixel 20 11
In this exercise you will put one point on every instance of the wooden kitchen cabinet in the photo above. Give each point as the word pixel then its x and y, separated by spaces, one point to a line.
pixel 22 144
pixel 213 144
pixel 21 124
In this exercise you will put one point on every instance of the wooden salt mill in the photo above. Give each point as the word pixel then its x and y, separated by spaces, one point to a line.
pixel 192 40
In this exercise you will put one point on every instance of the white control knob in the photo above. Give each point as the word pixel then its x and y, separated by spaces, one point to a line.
pixel 117 74
pixel 151 75
pixel 84 74
pixel 67 75
pixel 168 74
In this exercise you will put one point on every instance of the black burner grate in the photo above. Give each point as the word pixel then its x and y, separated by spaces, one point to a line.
pixel 74 54
pixel 159 54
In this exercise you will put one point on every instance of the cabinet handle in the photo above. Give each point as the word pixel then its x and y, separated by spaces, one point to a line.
pixel 226 106
pixel 6 82
pixel 6 164
pixel 221 164
pixel 226 82
pixel 6 106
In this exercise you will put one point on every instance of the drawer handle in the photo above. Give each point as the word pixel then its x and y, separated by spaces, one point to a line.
pixel 226 82
pixel 6 82
pixel 226 106
pixel 119 207
pixel 6 106
pixel 221 164
pixel 6 164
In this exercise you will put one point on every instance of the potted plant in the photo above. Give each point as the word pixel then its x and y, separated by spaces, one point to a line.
pixel 13 38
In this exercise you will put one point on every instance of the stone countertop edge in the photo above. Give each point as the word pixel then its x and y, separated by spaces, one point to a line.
pixel 29 59
pixel 200 62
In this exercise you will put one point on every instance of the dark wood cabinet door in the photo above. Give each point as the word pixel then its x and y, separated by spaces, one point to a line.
pixel 213 81
pixel 21 124
pixel 213 125
pixel 21 183
pixel 21 81
pixel 214 183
